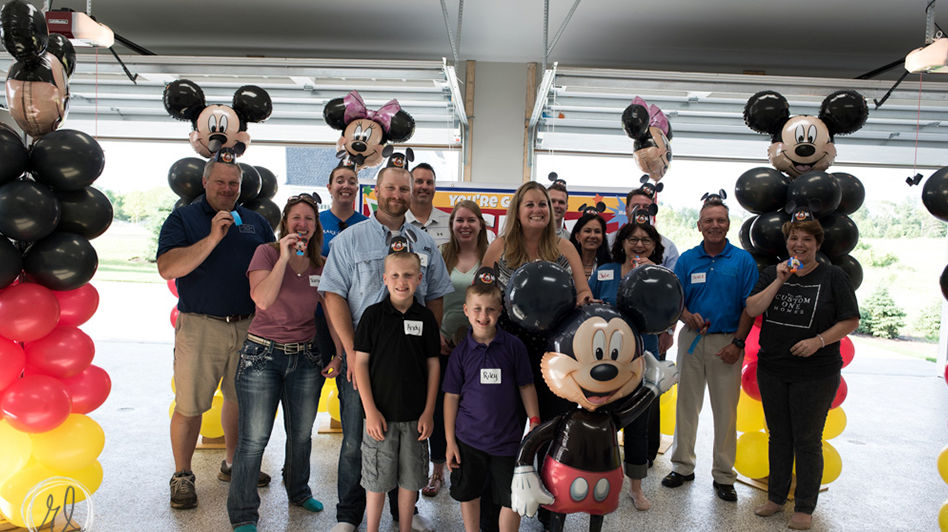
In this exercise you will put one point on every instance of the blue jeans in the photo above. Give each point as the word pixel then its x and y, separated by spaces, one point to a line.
pixel 266 377
pixel 796 413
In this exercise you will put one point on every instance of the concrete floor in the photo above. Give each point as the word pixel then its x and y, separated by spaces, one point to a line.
pixel 896 412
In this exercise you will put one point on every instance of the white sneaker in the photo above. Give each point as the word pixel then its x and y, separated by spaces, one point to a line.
pixel 343 527
pixel 420 523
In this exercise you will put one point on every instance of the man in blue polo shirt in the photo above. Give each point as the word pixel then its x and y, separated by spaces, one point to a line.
pixel 207 250
pixel 351 282
pixel 717 277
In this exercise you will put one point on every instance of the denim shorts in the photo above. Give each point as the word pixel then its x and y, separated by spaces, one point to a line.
pixel 400 460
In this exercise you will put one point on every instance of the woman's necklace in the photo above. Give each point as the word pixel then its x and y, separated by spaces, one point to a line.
pixel 299 267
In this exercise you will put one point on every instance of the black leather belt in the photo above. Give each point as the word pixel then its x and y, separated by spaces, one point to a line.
pixel 231 319
pixel 290 349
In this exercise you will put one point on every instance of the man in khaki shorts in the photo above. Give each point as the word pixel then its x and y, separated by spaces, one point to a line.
pixel 207 247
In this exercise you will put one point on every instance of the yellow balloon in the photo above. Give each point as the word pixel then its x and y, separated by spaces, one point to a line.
pixel 15 489
pixel 332 404
pixel 752 458
pixel 835 424
pixel 942 464
pixel 669 397
pixel 832 463
pixel 90 477
pixel 173 388
pixel 211 421
pixel 750 414
pixel 171 408
pixel 328 387
pixel 943 517
pixel 74 444
pixel 17 448
pixel 667 419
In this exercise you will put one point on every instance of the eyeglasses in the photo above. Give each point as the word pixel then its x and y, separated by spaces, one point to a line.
pixel 643 241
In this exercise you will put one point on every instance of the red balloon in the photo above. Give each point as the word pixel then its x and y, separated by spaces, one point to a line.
pixel 12 361
pixel 174 316
pixel 65 352
pixel 758 321
pixel 946 373
pixel 847 350
pixel 840 393
pixel 752 344
pixel 35 403
pixel 28 312
pixel 88 389
pixel 173 287
pixel 77 306
pixel 749 380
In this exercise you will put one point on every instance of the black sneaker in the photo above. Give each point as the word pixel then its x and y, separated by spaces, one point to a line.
pixel 224 475
pixel 183 495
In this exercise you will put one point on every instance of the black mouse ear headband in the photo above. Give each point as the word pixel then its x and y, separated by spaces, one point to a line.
pixel 555 178
pixel 397 243
pixel 649 188
pixel 485 276
pixel 714 197
pixel 803 213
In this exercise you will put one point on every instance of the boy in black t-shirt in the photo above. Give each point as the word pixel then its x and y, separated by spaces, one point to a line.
pixel 397 345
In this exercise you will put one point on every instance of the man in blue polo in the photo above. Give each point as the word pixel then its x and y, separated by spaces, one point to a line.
pixel 717 277
pixel 351 282
pixel 207 248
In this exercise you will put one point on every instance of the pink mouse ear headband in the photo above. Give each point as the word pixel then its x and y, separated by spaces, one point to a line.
pixel 355 110
pixel 656 116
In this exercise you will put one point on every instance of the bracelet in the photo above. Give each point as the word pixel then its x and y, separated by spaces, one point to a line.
pixel 534 419
pixel 822 341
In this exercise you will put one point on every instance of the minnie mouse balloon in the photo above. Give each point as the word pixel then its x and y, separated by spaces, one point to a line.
pixel 650 129
pixel 365 133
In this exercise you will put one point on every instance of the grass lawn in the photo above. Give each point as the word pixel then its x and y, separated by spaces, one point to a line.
pixel 124 256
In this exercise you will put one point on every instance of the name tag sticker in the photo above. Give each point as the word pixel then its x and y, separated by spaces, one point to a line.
pixel 424 260
pixel 247 229
pixel 698 277
pixel 414 327
pixel 606 275
pixel 490 376
pixel 314 281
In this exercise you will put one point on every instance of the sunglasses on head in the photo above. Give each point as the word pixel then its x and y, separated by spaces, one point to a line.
pixel 309 198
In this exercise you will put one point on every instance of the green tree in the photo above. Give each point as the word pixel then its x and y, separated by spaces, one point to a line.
pixel 881 317
pixel 929 321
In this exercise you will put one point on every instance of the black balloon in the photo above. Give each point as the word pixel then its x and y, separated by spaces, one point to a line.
pixel 253 103
pixel 28 210
pixel 182 202
pixel 67 159
pixel 10 262
pixel 266 208
pixel 935 194
pixel 652 297
pixel 852 192
pixel 23 30
pixel 14 157
pixel 822 258
pixel 762 189
pixel 539 294
pixel 764 260
pixel 86 212
pixel 745 236
pixel 249 183
pixel 840 235
pixel 943 281
pixel 62 49
pixel 816 185
pixel 766 233
pixel 61 261
pixel 851 268
pixel 268 183
pixel 185 177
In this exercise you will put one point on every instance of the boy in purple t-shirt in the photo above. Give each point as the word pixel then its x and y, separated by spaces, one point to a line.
pixel 486 372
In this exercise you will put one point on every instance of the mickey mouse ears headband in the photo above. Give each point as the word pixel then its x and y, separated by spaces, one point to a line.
pixel 644 215
pixel 648 188
pixel 400 160
pixel 485 276
pixel 803 213
pixel 714 197
pixel 555 178
pixel 225 156
pixel 400 243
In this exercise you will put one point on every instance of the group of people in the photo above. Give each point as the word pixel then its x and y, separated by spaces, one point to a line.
pixel 405 310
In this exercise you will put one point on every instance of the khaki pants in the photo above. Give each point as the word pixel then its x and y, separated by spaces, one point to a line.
pixel 206 352
pixel 724 384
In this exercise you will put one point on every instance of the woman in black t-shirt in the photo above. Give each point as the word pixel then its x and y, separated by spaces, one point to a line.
pixel 808 308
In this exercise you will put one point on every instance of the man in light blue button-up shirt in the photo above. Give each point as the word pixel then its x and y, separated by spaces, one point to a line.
pixel 351 281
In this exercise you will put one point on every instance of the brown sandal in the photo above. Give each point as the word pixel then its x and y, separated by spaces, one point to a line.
pixel 434 485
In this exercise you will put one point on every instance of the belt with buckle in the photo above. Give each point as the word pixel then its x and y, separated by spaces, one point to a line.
pixel 231 319
pixel 289 349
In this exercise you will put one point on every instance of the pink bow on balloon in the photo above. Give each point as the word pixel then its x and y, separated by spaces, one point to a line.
pixel 656 116
pixel 355 110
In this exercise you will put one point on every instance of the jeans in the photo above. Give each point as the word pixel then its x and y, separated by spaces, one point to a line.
pixel 796 413
pixel 266 377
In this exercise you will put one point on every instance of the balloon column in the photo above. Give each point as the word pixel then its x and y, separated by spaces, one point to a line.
pixel 649 128
pixel 935 199
pixel 752 446
pixel 803 147
pixel 215 127
pixel 596 358
pixel 48 214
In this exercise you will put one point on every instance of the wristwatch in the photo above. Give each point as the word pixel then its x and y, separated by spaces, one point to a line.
pixel 738 342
